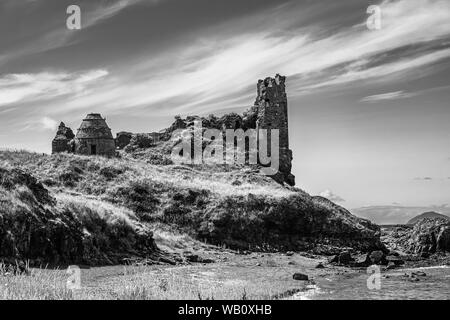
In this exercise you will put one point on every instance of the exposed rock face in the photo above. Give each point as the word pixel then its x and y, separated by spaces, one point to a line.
pixel 62 141
pixel 275 218
pixel 35 227
pixel 299 222
pixel 430 236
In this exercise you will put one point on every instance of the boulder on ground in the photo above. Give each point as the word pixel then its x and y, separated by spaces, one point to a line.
pixel 362 260
pixel 395 260
pixel 334 259
pixel 300 276
pixel 377 257
pixel 391 266
pixel 345 258
pixel 320 266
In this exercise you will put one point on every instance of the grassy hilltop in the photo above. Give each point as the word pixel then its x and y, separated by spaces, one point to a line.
pixel 93 210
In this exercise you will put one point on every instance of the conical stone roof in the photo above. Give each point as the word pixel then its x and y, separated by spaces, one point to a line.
pixel 94 127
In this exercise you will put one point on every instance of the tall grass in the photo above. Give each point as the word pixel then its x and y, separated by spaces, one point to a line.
pixel 136 283
pixel 97 175
pixel 41 284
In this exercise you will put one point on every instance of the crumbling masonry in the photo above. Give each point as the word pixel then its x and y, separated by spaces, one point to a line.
pixel 271 103
pixel 270 111
pixel 94 137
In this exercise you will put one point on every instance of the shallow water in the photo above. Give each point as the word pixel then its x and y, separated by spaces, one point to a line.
pixel 435 285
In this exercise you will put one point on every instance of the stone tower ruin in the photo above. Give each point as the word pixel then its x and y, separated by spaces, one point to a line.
pixel 272 113
pixel 94 137
pixel 62 141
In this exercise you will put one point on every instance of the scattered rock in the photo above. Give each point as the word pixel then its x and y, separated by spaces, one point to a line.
pixel 320 266
pixel 167 260
pixel 391 265
pixel 393 253
pixel 362 260
pixel 397 261
pixel 418 274
pixel 334 259
pixel 207 260
pixel 429 236
pixel 377 257
pixel 236 183
pixel 345 258
pixel 289 253
pixel 300 276
pixel 192 258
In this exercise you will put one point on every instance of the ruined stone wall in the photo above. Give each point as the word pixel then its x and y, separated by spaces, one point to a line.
pixel 270 111
pixel 272 106
pixel 62 141
pixel 61 144
pixel 123 139
pixel 103 147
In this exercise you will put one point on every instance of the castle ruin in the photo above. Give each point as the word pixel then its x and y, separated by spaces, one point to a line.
pixel 94 137
pixel 272 113
pixel 269 112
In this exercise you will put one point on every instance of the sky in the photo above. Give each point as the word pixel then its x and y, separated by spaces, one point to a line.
pixel 368 109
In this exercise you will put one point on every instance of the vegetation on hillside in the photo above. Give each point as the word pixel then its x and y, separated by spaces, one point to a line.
pixel 99 209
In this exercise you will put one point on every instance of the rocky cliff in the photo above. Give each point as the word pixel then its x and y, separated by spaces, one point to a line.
pixel 71 208
pixel 43 229
pixel 427 236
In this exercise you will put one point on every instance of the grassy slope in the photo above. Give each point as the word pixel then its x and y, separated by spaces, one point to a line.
pixel 239 208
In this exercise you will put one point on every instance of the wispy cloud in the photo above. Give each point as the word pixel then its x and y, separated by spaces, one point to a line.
pixel 424 178
pixel 388 96
pixel 110 9
pixel 401 94
pixel 211 75
pixel 40 124
pixel 218 70
pixel 331 196
pixel 16 88
pixel 55 35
